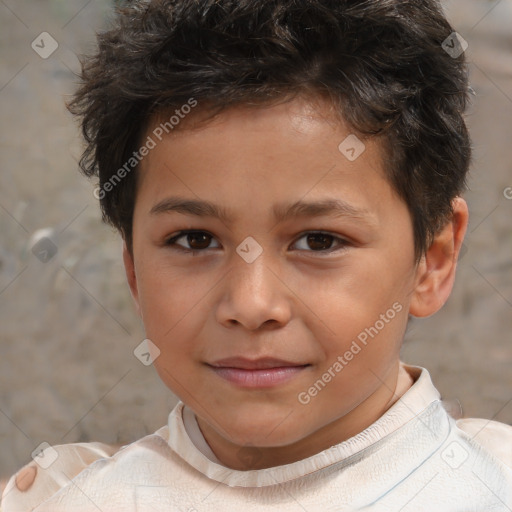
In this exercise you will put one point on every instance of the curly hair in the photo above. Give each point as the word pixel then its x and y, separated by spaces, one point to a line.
pixel 381 64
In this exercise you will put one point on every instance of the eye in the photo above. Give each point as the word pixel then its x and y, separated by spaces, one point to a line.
pixel 321 242
pixel 197 241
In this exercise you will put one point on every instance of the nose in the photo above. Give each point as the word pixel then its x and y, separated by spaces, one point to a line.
pixel 254 296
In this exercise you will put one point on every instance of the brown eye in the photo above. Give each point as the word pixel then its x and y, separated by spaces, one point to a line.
pixel 320 242
pixel 199 240
pixel 190 241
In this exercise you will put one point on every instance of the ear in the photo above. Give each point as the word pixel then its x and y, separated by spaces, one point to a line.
pixel 435 273
pixel 131 277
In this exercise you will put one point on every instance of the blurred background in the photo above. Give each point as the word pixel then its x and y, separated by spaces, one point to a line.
pixel 67 326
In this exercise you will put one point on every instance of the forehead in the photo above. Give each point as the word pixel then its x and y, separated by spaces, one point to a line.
pixel 292 149
pixel 293 127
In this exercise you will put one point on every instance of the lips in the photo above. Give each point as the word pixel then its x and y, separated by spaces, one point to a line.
pixel 256 373
pixel 254 364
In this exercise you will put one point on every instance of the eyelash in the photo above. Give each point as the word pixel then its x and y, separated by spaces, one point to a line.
pixel 171 242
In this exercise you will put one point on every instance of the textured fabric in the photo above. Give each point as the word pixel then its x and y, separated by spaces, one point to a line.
pixel 414 458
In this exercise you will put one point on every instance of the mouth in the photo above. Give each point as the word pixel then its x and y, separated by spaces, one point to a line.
pixel 257 373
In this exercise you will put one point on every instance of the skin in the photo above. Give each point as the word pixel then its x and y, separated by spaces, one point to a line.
pixel 297 301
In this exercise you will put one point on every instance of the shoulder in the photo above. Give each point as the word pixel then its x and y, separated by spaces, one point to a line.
pixel 493 436
pixel 55 471
pixel 50 470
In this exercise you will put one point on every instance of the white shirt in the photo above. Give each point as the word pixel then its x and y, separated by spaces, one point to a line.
pixel 413 458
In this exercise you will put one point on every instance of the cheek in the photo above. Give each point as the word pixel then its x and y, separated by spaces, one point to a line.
pixel 166 295
pixel 366 313
pixel 174 311
pixel 357 364
pixel 163 305
pixel 353 297
pixel 370 338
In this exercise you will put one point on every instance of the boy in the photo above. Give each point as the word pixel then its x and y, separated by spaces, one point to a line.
pixel 286 177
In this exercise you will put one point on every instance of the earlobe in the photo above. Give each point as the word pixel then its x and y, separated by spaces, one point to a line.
pixel 436 271
pixel 129 267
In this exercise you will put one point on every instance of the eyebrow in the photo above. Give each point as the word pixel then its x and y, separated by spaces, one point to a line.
pixel 324 207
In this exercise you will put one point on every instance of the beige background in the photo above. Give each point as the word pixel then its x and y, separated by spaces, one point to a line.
pixel 67 327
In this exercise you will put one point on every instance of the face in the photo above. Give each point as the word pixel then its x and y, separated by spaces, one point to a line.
pixel 256 239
